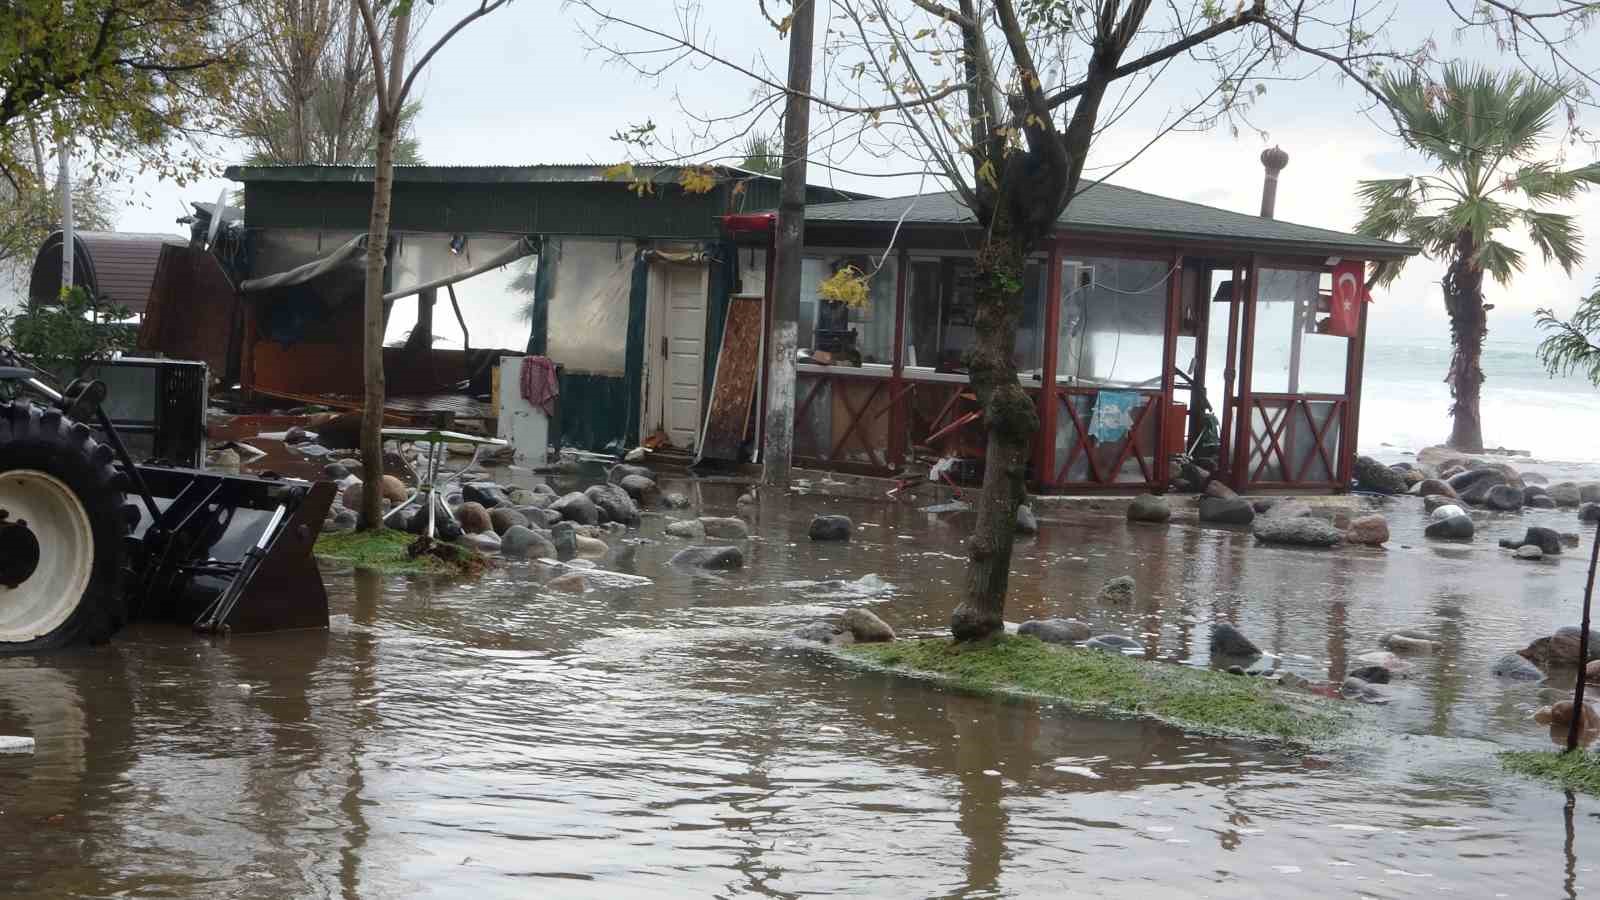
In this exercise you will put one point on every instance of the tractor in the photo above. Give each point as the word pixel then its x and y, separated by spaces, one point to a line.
pixel 91 539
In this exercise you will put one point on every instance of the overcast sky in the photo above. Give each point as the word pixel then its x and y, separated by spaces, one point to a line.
pixel 521 87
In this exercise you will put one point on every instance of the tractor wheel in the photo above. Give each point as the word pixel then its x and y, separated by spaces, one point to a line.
pixel 62 531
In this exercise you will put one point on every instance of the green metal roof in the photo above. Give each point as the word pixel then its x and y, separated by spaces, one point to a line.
pixel 1109 210
pixel 544 173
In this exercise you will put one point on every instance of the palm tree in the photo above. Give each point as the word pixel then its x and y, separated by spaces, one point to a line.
pixel 1484 132
pixel 1573 345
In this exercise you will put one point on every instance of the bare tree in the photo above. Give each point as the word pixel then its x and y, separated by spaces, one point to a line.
pixel 392 81
pixel 1001 101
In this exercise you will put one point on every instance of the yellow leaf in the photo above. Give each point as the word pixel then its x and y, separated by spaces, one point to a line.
pixel 783 26
pixel 922 34
pixel 697 181
pixel 619 172
pixel 847 286
pixel 987 176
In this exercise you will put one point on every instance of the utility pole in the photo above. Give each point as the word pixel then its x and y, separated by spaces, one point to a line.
pixel 791 241
pixel 64 185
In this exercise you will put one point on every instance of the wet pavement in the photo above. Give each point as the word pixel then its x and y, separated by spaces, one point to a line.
pixel 490 739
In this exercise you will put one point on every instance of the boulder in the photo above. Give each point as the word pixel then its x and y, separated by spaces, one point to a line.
pixel 1591 672
pixel 550 517
pixel 1477 493
pixel 1513 667
pixel 1532 492
pixel 1572 633
pixel 564 537
pixel 1560 714
pixel 590 547
pixel 1378 478
pixel 1114 643
pixel 576 507
pixel 1589 492
pixel 474 519
pixel 1363 691
pixel 748 498
pixel 1570 540
pixel 719 558
pixel 485 492
pixel 690 529
pixel 1296 531
pixel 1433 487
pixel 520 542
pixel 674 500
pixel 504 517
pixel 1226 511
pixel 728 529
pixel 1227 641
pixel 1219 490
pixel 1372 674
pixel 1589 512
pixel 1465 480
pixel 822 633
pixel 624 470
pixel 1027 523
pixel 1566 494
pixel 485 542
pixel 1293 681
pixel 1149 508
pixel 1504 498
pixel 641 489
pixel 569 583
pixel 1398 668
pixel 1534 478
pixel 1546 539
pixel 1434 501
pixel 1056 631
pixel 546 489
pixel 1117 590
pixel 865 627
pixel 1283 509
pixel 831 528
pixel 1543 501
pixel 335 472
pixel 1529 552
pixel 1370 530
pixel 343 520
pixel 1450 523
pixel 612 500
pixel 1409 642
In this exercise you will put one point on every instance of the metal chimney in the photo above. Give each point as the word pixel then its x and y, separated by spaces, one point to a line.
pixel 1274 159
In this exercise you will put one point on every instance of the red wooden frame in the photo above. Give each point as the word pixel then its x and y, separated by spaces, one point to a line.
pixel 1277 412
pixel 1149 459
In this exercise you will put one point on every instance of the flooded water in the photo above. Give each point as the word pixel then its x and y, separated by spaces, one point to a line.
pixel 489 739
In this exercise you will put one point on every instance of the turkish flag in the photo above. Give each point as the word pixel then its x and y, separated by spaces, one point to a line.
pixel 1349 292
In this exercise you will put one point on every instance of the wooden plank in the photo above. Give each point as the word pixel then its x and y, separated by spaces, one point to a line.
pixel 733 388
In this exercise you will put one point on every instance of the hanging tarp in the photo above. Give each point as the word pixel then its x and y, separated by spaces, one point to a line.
pixel 352 252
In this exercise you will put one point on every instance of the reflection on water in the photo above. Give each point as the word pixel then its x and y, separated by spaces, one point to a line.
pixel 490 739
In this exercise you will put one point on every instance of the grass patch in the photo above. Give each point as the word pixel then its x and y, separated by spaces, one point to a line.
pixel 1195 699
pixel 1578 771
pixel 389 551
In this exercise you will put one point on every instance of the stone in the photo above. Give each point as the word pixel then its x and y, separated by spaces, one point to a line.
pixel 1560 714
pixel 564 536
pixel 1027 523
pixel 1533 492
pixel 1115 643
pixel 1450 523
pixel 1286 509
pixel 1433 487
pixel 865 627
pixel 1378 478
pixel 1219 490
pixel 822 633
pixel 504 517
pixel 1434 501
pixel 1591 672
pixel 612 500
pixel 546 489
pixel 576 507
pixel 620 472
pixel 1372 674
pixel 1570 540
pixel 350 498
pixel 709 557
pixel 636 455
pixel 1363 691
pixel 485 492
pixel 1413 475
pixel 1529 552
pixel 674 500
pixel 1371 530
pixel 725 528
pixel 831 528
pixel 690 529
pixel 1566 494
pixel 1296 531
pixel 1293 681
pixel 1410 642
pixel 484 542
pixel 335 472
pixel 569 583
pixel 1056 631
pixel 1572 633
pixel 521 542
pixel 1503 497
pixel 1397 667
pixel 549 515
pixel 474 519
pixel 1589 513
pixel 589 547
pixel 1546 539
pixel 1149 508
pixel 643 490
pixel 1543 501
pixel 1589 492
pixel 1226 511
pixel 525 497
pixel 1236 670
pixel 344 520
pixel 1534 478
pixel 1117 590
pixel 1514 667
pixel 748 498
pixel 1228 641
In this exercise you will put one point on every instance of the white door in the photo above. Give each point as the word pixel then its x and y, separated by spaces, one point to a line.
pixel 682 351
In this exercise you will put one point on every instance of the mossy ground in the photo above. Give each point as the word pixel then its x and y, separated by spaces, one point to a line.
pixel 1578 771
pixel 389 552
pixel 1195 699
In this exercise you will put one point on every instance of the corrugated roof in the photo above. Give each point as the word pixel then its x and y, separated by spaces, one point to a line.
pixel 1112 210
pixel 121 265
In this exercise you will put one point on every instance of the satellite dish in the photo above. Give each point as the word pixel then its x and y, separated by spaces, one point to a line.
pixel 217 215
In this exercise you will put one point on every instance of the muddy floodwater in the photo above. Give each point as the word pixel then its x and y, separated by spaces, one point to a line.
pixel 489 739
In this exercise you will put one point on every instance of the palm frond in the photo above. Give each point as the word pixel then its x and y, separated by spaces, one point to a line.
pixel 1556 235
pixel 1573 344
pixel 1388 206
pixel 1499 260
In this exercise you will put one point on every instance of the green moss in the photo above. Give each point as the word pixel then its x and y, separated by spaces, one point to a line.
pixel 388 552
pixel 1578 771
pixel 1195 699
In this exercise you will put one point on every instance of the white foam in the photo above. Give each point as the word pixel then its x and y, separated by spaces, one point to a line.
pixel 19 746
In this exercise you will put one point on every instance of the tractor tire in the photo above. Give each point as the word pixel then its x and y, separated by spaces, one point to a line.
pixel 63 534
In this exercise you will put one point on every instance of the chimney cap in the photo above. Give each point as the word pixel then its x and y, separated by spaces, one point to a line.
pixel 1274 158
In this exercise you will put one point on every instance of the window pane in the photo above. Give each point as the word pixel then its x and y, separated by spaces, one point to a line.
pixel 1113 321
pixel 941 309
pixel 826 325
pixel 923 299
pixel 1289 356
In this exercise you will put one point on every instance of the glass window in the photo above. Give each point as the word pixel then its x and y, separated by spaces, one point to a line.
pixel 1290 357
pixel 848 335
pixel 941 310
pixel 1113 321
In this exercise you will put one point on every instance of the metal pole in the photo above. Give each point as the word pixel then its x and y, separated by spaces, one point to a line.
pixel 64 185
pixel 790 246
pixel 1583 648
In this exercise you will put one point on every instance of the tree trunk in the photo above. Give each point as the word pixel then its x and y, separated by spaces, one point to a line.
pixel 1463 298
pixel 371 513
pixel 1011 420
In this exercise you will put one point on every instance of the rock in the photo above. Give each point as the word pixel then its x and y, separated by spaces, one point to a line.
pixel 728 529
pixel 1293 681
pixel 1236 670
pixel 1543 501
pixel 1570 540
pixel 1560 714
pixel 485 492
pixel 569 583
pixel 564 536
pixel 549 515
pixel 1410 642
pixel 504 517
pixel 1372 674
pixel 1263 505
pixel 1226 511
pixel 1589 492
pixel 1296 531
pixel 641 489
pixel 483 542
pixel 612 500
pixel 1413 475
pixel 351 496
pixel 344 520
pixel 1589 512
pixel 709 557
pixel 525 497
pixel 1371 530
pixel 1026 522
pixel 1117 590
pixel 1378 478
pixel 1530 552
pixel 1450 523
pixel 1115 643
pixel 521 542
pixel 635 455
pixel 1149 508
pixel 690 529
pixel 1219 490
pixel 1572 633
pixel 674 500
pixel 1533 492
pixel 865 627
pixel 1056 631
pixel 1591 672
pixel 1504 498
pixel 1434 501
pixel 1515 668
pixel 546 489
pixel 1566 494
pixel 335 472
pixel 831 528
pixel 1546 539
pixel 1227 641
pixel 576 507
pixel 822 633
pixel 589 547
pixel 474 519
pixel 1433 487
pixel 748 498
pixel 1534 478
pixel 620 472
pixel 1363 691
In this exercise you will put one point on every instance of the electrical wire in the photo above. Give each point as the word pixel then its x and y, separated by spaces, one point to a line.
pixel 1116 353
